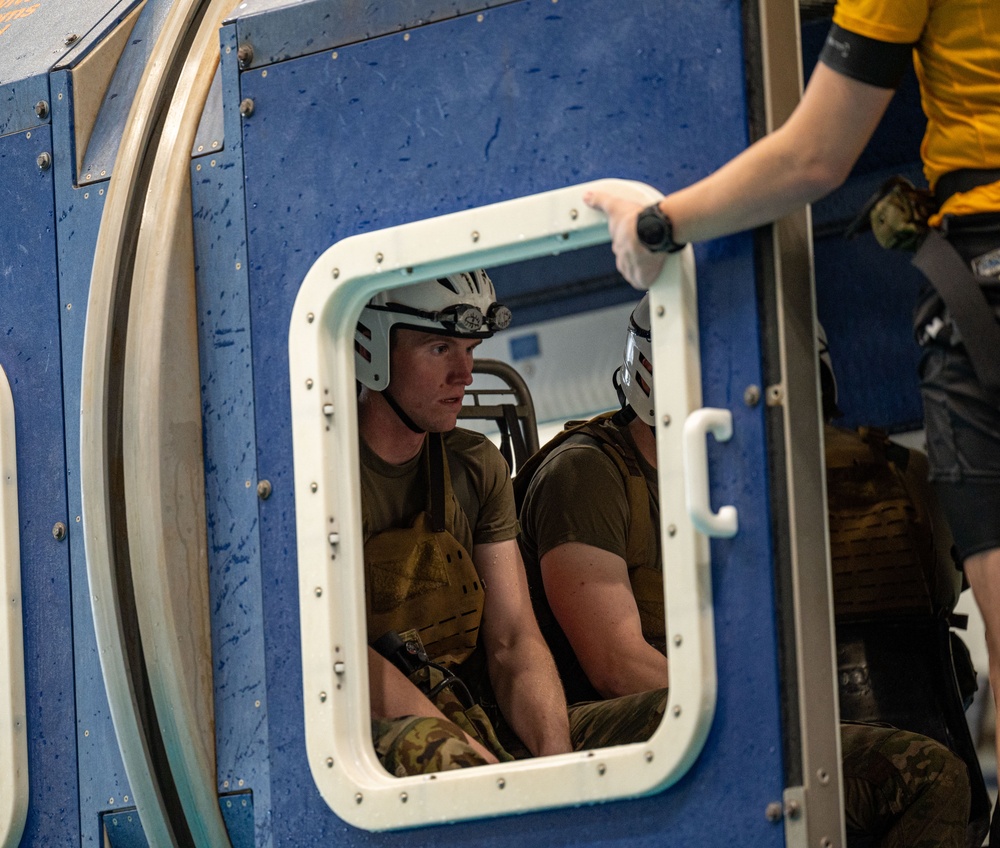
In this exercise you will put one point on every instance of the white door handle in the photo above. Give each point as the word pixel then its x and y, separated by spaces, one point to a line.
pixel 719 422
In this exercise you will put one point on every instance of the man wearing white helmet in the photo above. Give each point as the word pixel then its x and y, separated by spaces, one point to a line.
pixel 595 575
pixel 456 654
pixel 609 538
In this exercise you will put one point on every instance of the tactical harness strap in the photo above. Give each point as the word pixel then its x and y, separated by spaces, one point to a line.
pixel 435 473
pixel 960 290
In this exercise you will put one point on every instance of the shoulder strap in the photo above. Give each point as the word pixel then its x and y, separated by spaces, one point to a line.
pixel 973 316
pixel 437 474
pixel 641 544
pixel 525 473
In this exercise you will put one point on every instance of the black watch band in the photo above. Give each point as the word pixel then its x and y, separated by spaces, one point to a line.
pixel 656 231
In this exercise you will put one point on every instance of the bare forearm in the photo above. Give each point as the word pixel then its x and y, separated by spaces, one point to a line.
pixel 802 161
pixel 530 695
pixel 764 183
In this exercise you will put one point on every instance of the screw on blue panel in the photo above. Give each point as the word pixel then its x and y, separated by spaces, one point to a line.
pixel 122 829
pixel 237 813
pixel 524 347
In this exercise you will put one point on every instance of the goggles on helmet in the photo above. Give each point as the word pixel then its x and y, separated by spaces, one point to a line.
pixel 462 318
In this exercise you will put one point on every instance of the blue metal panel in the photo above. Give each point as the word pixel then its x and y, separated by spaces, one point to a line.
pixel 527 97
pixel 29 353
pixel 274 28
pixel 241 705
pixel 123 829
pixel 102 780
pixel 237 811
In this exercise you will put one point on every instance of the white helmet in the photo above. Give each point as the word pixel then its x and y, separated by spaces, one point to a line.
pixel 634 379
pixel 463 305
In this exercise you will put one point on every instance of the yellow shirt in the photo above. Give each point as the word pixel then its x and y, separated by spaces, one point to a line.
pixel 957 60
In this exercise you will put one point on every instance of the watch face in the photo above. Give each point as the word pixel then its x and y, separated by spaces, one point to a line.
pixel 651 229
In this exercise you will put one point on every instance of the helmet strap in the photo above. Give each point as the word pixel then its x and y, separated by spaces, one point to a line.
pixel 616 382
pixel 395 407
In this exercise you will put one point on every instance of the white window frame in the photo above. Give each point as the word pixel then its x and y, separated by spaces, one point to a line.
pixel 328 516
pixel 13 730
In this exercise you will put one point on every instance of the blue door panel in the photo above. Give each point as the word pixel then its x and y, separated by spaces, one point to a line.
pixel 465 112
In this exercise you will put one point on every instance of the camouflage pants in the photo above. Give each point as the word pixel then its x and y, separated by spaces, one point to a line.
pixel 412 745
pixel 618 721
pixel 902 790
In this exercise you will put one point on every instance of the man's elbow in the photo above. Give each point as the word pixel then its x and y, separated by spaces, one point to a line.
pixel 822 171
pixel 609 681
pixel 826 177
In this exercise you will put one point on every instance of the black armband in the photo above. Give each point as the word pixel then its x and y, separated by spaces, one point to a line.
pixel 878 63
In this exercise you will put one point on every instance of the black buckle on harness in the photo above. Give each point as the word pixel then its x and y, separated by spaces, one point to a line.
pixel 410 657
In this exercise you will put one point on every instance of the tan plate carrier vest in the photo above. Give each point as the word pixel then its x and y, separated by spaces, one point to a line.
pixel 420 578
pixel 882 544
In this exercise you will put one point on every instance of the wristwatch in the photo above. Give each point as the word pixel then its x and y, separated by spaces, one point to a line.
pixel 656 231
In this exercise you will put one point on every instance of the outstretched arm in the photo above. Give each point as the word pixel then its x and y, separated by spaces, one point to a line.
pixel 589 592
pixel 522 671
pixel 808 157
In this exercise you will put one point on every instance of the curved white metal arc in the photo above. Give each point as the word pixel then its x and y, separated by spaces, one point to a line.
pixel 719 422
pixel 126 194
pixel 162 452
pixel 13 733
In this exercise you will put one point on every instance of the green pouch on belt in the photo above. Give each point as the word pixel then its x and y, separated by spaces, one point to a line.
pixel 896 214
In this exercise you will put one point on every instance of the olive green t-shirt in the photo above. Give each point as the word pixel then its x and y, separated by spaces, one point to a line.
pixel 393 495
pixel 578 495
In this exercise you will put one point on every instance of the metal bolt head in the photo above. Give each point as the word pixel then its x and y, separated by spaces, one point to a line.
pixel 244 55
pixel 751 396
pixel 246 107
pixel 792 809
pixel 58 531
pixel 773 812
pixel 44 161
pixel 264 489
pixel 42 109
